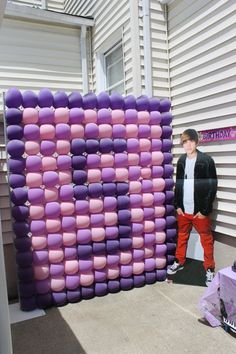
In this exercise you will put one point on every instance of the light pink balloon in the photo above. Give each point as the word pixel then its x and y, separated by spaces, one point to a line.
pixel 94 175
pixel 133 159
pixel 67 208
pixel 105 131
pixel 82 221
pixel 107 160
pixel 51 194
pixel 98 234
pixel 113 272
pixel 160 237
pixel 32 147
pixel 138 267
pixel 39 242
pixel 71 267
pixel 63 147
pixel 143 117
pixel 69 238
pixel 137 242
pixel 90 116
pixel 57 283
pixel 41 272
pixel 145 145
pixel 77 131
pixel 148 199
pixel 47 132
pixel 117 116
pixel 157 158
pixel 122 174
pixel 30 116
pixel 148 251
pixel 158 184
pixel 34 179
pixel 160 262
pixel 137 215
pixel 146 173
pixel 110 218
pixel 36 212
pixel 49 163
pixel 65 177
pixel 95 205
pixel 53 225
pixel 125 257
pixel 55 256
pixel 99 262
pixel 149 226
pixel 61 115
pixel 131 131
pixel 156 131
pixel 87 278
pixel 135 187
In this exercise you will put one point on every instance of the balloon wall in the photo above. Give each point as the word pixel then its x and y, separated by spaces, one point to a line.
pixel 91 191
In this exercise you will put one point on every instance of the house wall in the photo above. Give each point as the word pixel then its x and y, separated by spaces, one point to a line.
pixel 202 53
pixel 53 5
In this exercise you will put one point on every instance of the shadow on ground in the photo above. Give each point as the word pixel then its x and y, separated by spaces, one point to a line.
pixel 192 274
pixel 47 334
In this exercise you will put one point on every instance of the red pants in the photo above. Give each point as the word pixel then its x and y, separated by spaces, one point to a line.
pixel 203 227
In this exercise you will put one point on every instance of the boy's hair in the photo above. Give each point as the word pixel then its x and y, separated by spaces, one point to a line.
pixel 189 134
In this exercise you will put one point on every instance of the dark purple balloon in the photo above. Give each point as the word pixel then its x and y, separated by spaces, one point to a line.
pixel 45 98
pixel 16 165
pixel 78 146
pixel 122 188
pixel 112 246
pixel 165 105
pixel 79 162
pixel 24 259
pixel 124 217
pixel 60 99
pixel 16 180
pixel 170 209
pixel 150 277
pixel 126 283
pixel 103 100
pixel 101 289
pixel 25 275
pixel 117 101
pixel 95 190
pixel 129 102
pixel 16 148
pixel 169 183
pixel 171 235
pixel 21 229
pixel 124 231
pixel 166 132
pixel 161 274
pixel 13 116
pixel 59 299
pixel 166 145
pixel 90 101
pixel 84 251
pixel 23 244
pixel 92 146
pixel 87 292
pixel 139 281
pixel 73 295
pixel 166 118
pixel 125 244
pixel 28 304
pixel 120 145
pixel 19 196
pixel 142 103
pixel 30 99
pixel 171 247
pixel 109 189
pixel 20 213
pixel 113 286
pixel 168 171
pixel 99 248
pixel 26 289
pixel 169 197
pixel 80 192
pixel 13 98
pixel 106 145
pixel 75 100
pixel 154 104
pixel 170 259
pixel 44 300
pixel 14 132
pixel 79 177
pixel 168 157
pixel 100 275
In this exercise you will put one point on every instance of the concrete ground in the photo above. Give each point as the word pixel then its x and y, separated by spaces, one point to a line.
pixel 160 318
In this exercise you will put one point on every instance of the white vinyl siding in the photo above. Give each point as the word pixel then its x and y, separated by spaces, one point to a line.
pixel 34 56
pixel 202 50
pixel 80 8
pixel 53 5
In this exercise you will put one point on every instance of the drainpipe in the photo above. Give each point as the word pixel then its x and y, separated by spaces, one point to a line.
pixel 44 4
pixel 84 59
pixel 147 48
pixel 2 9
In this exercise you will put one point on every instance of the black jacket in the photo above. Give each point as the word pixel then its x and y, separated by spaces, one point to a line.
pixel 205 183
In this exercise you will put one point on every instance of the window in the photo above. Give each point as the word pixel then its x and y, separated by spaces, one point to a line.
pixel 114 69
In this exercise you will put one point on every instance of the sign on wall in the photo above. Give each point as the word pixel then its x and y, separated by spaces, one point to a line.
pixel 220 134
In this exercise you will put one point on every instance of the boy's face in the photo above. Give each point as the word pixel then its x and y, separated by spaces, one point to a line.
pixel 189 146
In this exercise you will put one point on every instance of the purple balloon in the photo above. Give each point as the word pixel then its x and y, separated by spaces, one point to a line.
pixel 30 99
pixel 134 173
pixel 138 254
pixel 79 177
pixel 70 253
pixel 157 171
pixel 169 183
pixel 99 248
pixel 149 264
pixel 13 98
pixel 171 235
pixel 106 145
pixel 15 148
pixel 75 100
pixel 80 192
pixel 14 132
pixel 83 235
pixel 145 159
pixel 142 103
pixel 135 200
pixel 117 101
pixel 33 163
pixel 38 227
pixel 60 99
pixel 16 165
pixel 64 162
pixel 56 269
pixel 154 104
pixel 46 116
pixel 100 275
pixel 103 100
pixel 87 292
pixel 13 116
pixel 168 157
pixel 40 257
pixel 113 259
pixel 118 131
pixel 66 193
pixel 131 116
pixel 168 171
pixel 104 116
pixel 63 131
pixel 91 131
pixel 147 186
pixel 170 209
pixel 148 213
pixel 108 174
pixel 160 224
pixel 84 251
pixel 28 304
pixel 89 101
pixel 161 274
pixel 126 270
pixel 144 131
pixel 21 229
pixel 101 289
pixel 16 180
pixel 92 146
pixel 111 232
pixel 159 198
pixel 129 102
pixel 132 145
pixel 85 265
pixel 125 244
pixel 97 220
pixel 112 246
pixel 160 250
pixel 78 146
pixel 26 289
pixel 155 118
pixel 137 229
pixel 45 98
pixel 68 223
pixel 44 300
pixel 20 213
pixel 47 147
pixel 36 195
pixel 124 217
pixel 19 196
pixel 79 162
pixel 169 197
pixel 31 132
pixel 73 295
pixel 166 145
pixel 54 240
pixel 59 299
pixel 171 247
pixel 76 116
pixel 126 283
pixel 50 178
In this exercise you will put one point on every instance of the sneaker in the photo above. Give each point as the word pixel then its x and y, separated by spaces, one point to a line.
pixel 176 266
pixel 209 276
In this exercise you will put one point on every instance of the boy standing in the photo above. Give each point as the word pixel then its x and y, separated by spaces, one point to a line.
pixel 195 191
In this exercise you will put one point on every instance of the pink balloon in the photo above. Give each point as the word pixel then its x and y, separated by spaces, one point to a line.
pixel 30 116
pixel 125 257
pixel 131 131
pixel 159 211
pixel 82 221
pixel 36 212
pixel 117 116
pixel 157 157
pixel 137 242
pixel 146 173
pixel 98 234
pixel 32 147
pixel 113 272
pixel 148 199
pixel 47 132
pixel 49 163
pixel 65 177
pixel 63 147
pixel 69 238
pixel 87 278
pixel 158 184
pixel 58 283
pixel 56 256
pixel 71 267
pixel 138 267
pixel 39 242
pixel 148 251
pixel 105 131
pixel 76 131
pixel 160 262
pixel 94 175
pixel 107 160
pixel 34 179
pixel 110 218
pixel 67 208
pixel 133 159
pixel 95 205
pixel 53 225
pixel 149 226
pixel 135 187
pixel 156 131
pixel 137 215
pixel 143 117
pixel 50 194
pixel 145 144
pixel 41 272
pixel 99 262
pixel 90 116
pixel 122 174
pixel 61 115
pixel 160 237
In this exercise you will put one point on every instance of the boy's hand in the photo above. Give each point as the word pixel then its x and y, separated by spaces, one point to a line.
pixel 179 211
pixel 199 215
